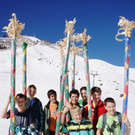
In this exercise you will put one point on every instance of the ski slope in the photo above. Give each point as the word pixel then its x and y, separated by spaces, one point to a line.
pixel 44 68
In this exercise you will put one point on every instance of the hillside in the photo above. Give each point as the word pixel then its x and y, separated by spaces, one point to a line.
pixel 43 70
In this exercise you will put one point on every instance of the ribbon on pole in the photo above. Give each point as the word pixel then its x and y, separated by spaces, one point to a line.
pixel 84 40
pixel 12 88
pixel 73 70
pixel 63 79
pixel 74 50
pixel 126 81
pixel 67 94
pixel 69 30
pixel 62 44
pixel 86 61
pixel 13 30
pixel 24 83
pixel 127 27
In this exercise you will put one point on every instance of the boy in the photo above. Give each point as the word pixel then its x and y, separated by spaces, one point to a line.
pixel 23 117
pixel 36 108
pixel 83 101
pixel 50 112
pixel 110 122
pixel 74 96
pixel 77 126
pixel 98 107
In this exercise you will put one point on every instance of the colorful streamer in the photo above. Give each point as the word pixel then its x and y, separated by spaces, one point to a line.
pixel 126 80
pixel 63 82
pixel 73 71
pixel 24 46
pixel 85 52
pixel 69 30
pixel 126 28
pixel 12 90
pixel 13 30
pixel 67 94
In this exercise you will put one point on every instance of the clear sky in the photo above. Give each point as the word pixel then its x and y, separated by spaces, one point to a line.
pixel 46 20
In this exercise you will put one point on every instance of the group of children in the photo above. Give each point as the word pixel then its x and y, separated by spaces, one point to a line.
pixel 32 119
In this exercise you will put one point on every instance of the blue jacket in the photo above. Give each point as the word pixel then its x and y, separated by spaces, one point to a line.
pixel 36 108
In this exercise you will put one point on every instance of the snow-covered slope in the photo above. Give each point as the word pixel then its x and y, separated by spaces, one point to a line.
pixel 31 38
pixel 43 70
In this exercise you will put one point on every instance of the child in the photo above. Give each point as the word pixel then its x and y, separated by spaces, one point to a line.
pixel 35 106
pixel 23 117
pixel 111 121
pixel 98 107
pixel 77 126
pixel 50 112
pixel 83 92
pixel 74 96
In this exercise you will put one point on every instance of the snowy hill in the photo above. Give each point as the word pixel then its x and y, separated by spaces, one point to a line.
pixel 43 70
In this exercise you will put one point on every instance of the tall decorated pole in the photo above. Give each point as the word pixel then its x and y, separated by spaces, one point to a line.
pixel 126 28
pixel 85 39
pixel 62 44
pixel 69 30
pixel 12 88
pixel 86 61
pixel 13 30
pixel 62 47
pixel 24 83
pixel 74 50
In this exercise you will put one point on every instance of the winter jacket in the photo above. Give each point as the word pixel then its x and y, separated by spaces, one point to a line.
pixel 96 112
pixel 47 118
pixel 73 128
pixel 37 112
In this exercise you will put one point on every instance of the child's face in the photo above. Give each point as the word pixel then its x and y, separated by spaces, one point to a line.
pixel 74 99
pixel 96 96
pixel 83 95
pixel 31 92
pixel 111 108
pixel 21 102
pixel 77 117
pixel 53 98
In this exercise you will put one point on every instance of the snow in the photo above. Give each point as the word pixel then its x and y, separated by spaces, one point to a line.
pixel 31 38
pixel 44 68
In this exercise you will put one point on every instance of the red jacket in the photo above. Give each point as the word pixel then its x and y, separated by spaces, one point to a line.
pixel 96 112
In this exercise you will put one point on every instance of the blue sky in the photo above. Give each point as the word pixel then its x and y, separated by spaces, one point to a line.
pixel 46 20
